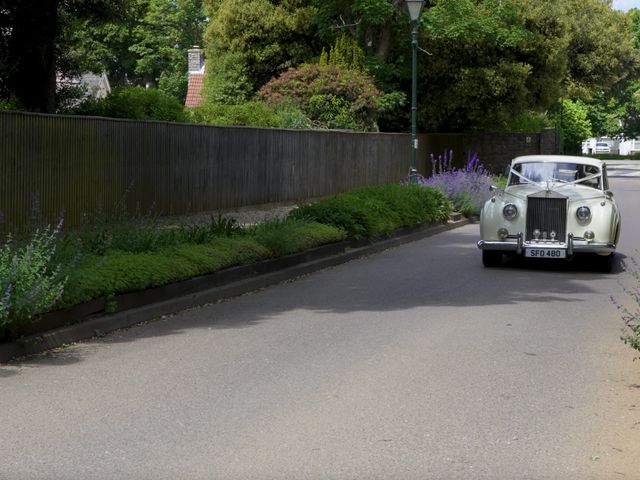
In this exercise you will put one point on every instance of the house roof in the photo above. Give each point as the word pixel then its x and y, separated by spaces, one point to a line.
pixel 194 89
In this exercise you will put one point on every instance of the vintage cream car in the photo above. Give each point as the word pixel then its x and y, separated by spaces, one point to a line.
pixel 553 206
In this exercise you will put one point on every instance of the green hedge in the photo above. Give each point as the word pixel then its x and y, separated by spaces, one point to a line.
pixel 119 271
pixel 374 210
pixel 108 260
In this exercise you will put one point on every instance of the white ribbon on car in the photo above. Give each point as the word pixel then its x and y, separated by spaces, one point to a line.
pixel 562 184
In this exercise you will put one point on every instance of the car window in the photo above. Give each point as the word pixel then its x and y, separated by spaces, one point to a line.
pixel 541 172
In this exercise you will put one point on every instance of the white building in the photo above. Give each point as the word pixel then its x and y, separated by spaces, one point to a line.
pixel 630 147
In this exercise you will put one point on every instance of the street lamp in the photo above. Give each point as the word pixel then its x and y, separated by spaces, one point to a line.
pixel 415 9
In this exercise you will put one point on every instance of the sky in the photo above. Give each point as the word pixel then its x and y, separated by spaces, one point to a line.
pixel 625 5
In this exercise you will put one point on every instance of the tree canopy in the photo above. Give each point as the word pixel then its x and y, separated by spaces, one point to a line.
pixel 483 64
pixel 32 40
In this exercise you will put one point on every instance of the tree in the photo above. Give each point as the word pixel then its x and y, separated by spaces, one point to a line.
pixel 574 125
pixel 265 36
pixel 31 35
pixel 476 76
pixel 148 46
pixel 602 55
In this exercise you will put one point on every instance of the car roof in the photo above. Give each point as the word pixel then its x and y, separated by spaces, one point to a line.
pixel 558 159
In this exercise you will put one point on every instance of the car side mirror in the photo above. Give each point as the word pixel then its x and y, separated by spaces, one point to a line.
pixel 492 188
pixel 609 194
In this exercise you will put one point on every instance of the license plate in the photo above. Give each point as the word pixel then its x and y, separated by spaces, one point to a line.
pixel 545 253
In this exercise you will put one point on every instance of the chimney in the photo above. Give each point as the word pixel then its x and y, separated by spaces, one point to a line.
pixel 196 59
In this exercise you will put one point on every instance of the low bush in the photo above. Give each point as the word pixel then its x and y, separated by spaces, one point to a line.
pixel 374 210
pixel 631 314
pixel 47 271
pixel 117 271
pixel 30 280
pixel 250 114
pixel 467 187
pixel 284 237
pixel 136 103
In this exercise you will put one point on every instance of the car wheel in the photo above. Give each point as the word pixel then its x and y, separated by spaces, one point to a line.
pixel 491 258
pixel 605 263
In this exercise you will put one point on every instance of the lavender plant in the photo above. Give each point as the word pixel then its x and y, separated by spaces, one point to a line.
pixel 467 188
pixel 30 281
pixel 631 316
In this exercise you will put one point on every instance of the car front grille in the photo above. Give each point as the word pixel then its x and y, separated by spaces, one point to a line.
pixel 547 212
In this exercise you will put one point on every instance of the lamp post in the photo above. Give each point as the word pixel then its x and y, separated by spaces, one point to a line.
pixel 415 9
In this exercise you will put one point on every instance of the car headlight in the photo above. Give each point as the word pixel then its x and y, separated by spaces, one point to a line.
pixel 583 214
pixel 510 211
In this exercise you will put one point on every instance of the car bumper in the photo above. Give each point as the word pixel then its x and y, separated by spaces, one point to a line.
pixel 515 243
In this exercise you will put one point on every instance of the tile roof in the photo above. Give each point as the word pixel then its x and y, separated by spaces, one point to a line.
pixel 194 90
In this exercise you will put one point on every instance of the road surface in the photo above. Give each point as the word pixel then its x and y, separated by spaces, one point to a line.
pixel 415 363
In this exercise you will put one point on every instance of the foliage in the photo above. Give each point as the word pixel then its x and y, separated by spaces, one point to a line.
pixel 228 83
pixel 118 271
pixel 147 46
pixel 9 104
pixel 631 315
pixel 36 29
pixel 530 122
pixel 139 234
pixel 573 124
pixel 477 76
pixel 329 97
pixel 601 54
pixel 254 114
pixel 630 107
pixel 604 113
pixel 493 60
pixel 467 188
pixel 344 54
pixel 264 37
pixel 374 210
pixel 284 237
pixel 136 103
pixel 370 21
pixel 101 260
pixel 30 281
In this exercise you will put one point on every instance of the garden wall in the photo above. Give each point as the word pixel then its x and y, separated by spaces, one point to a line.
pixel 53 166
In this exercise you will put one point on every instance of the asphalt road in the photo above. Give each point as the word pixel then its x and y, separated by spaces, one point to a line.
pixel 415 363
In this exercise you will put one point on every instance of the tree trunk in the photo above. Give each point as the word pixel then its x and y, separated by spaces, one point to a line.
pixel 386 33
pixel 32 54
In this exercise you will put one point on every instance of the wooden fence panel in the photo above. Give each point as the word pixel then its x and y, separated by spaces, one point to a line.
pixel 86 166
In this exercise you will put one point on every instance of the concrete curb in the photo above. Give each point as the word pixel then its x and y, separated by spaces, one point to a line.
pixel 90 319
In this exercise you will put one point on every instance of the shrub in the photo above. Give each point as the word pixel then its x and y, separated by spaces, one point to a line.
pixel 136 103
pixel 10 104
pixel 467 187
pixel 228 83
pixel 284 237
pixel 631 315
pixel 373 210
pixel 30 281
pixel 117 271
pixel 530 122
pixel 254 114
pixel 331 97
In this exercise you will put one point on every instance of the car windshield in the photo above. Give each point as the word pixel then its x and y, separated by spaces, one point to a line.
pixel 555 172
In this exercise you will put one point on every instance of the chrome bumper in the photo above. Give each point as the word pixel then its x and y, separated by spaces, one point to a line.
pixel 515 243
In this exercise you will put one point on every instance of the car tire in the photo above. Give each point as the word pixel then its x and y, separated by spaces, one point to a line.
pixel 491 258
pixel 605 263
